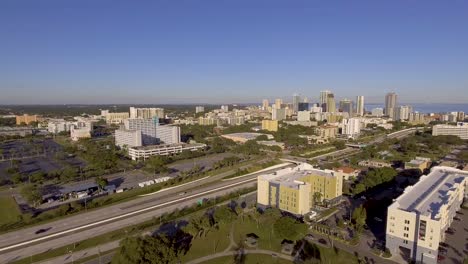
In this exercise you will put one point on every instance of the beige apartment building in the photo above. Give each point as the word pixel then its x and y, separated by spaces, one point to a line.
pixel 417 219
pixel 459 130
pixel 296 190
pixel 28 119
pixel 116 118
pixel 270 125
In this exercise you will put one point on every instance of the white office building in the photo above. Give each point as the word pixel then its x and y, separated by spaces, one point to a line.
pixel 403 112
pixel 459 130
pixel 303 116
pixel 128 138
pixel 225 108
pixel 417 219
pixel 278 114
pixel 56 126
pixel 351 127
pixel 360 105
pixel 199 109
pixel 377 112
pixel 152 133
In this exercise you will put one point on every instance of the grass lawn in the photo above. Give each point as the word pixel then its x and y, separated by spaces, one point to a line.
pixel 8 210
pixel 250 259
pixel 214 242
pixel 267 238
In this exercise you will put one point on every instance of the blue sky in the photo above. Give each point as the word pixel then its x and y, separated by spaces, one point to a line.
pixel 235 51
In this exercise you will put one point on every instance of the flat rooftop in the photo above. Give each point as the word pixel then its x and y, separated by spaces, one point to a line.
pixel 183 145
pixel 431 192
pixel 290 177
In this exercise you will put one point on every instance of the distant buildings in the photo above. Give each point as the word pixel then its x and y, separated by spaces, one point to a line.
pixel 346 106
pixel 417 219
pixel 278 103
pixel 296 190
pixel 377 112
pixel 116 118
pixel 327 131
pixel 225 108
pixel 347 172
pixel 56 126
pixel 244 137
pixel 265 105
pixel 303 116
pixel 270 125
pixel 146 113
pixel 81 130
pixel 27 119
pixel 460 130
pixel 390 104
pixel 295 102
pixel 402 112
pixel 199 109
pixel 303 106
pixel 360 105
pixel 323 99
pixel 331 104
pixel 278 114
pixel 351 127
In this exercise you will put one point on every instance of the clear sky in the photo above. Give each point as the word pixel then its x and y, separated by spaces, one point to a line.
pixel 196 51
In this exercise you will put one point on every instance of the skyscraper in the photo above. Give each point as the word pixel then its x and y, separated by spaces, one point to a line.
pixel 360 105
pixel 265 104
pixel 330 104
pixel 278 103
pixel 295 102
pixel 323 99
pixel 346 106
pixel 390 104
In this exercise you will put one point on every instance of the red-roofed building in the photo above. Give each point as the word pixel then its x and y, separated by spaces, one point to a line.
pixel 347 172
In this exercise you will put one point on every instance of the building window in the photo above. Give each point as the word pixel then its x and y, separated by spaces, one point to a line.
pixel 407 222
pixel 406 228
pixel 405 241
pixel 405 235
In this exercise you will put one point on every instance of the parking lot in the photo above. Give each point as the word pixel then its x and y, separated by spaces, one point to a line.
pixel 456 242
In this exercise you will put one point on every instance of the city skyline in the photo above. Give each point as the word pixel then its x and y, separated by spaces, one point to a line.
pixel 203 53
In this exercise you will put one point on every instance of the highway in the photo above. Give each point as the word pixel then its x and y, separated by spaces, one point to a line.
pixel 100 221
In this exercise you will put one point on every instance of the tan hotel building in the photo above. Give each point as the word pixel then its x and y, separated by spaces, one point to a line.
pixel 417 219
pixel 292 189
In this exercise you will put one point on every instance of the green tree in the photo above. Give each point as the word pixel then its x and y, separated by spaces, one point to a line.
pixel 101 182
pixel 31 193
pixel 156 250
pixel 38 176
pixel 288 228
pixel 223 215
pixel 359 218
pixel 317 197
pixel 156 164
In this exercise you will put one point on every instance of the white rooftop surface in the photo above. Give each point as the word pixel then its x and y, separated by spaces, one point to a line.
pixel 289 176
pixel 431 192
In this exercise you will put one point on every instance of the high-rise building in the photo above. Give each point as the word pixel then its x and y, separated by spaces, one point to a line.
pixel 378 112
pixel 346 106
pixel 417 219
pixel 323 100
pixel 351 127
pixel 303 106
pixel 360 105
pixel 402 112
pixel 390 104
pixel 225 108
pixel 265 104
pixel 278 103
pixel 147 128
pixel 146 113
pixel 295 102
pixel 199 109
pixel 303 116
pixel 128 138
pixel 28 119
pixel 116 118
pixel 278 114
pixel 461 116
pixel 331 104
pixel 293 189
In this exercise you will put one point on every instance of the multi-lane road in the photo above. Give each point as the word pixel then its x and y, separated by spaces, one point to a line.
pixel 25 242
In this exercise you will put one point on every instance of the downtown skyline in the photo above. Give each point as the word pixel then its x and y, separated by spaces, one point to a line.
pixel 155 53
